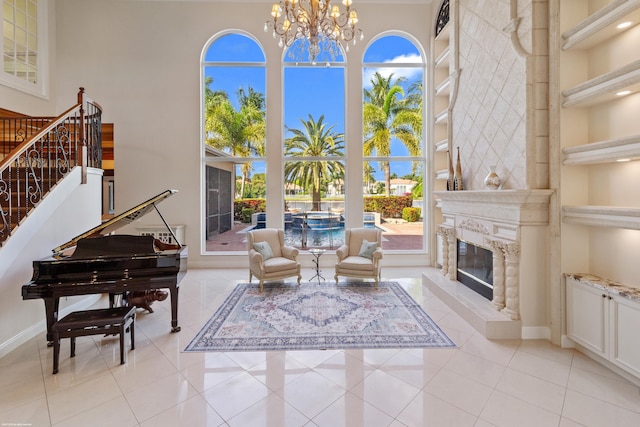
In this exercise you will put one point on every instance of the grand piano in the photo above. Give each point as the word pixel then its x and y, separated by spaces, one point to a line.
pixel 98 261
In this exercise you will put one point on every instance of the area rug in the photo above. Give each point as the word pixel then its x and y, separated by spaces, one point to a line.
pixel 318 316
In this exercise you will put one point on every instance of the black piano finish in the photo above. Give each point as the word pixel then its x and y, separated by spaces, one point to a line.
pixel 113 264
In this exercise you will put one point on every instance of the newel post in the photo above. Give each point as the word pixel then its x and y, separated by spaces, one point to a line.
pixel 83 159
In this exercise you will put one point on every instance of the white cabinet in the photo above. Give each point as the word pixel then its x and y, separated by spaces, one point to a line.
pixel 587 316
pixel 625 331
pixel 603 321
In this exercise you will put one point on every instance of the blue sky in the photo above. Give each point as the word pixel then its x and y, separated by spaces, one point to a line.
pixel 314 90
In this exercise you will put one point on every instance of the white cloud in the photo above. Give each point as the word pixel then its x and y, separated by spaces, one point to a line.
pixel 409 73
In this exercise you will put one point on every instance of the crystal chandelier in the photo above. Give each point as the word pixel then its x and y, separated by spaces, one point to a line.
pixel 325 27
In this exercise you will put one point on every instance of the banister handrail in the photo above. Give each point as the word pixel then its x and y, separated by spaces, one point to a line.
pixel 33 167
pixel 15 153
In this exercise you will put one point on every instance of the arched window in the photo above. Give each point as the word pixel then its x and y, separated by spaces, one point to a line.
pixel 314 148
pixel 393 140
pixel 233 122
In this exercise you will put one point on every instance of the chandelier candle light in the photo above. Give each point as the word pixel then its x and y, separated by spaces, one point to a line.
pixel 325 27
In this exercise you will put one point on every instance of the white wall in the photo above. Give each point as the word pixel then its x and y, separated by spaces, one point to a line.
pixel 141 62
pixel 70 209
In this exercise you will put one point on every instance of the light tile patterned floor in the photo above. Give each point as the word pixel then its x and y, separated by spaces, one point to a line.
pixel 481 383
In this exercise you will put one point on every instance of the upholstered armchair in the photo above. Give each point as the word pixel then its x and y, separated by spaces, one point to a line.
pixel 269 258
pixel 357 258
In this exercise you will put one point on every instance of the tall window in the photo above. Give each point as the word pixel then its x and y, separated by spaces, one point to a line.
pixel 393 140
pixel 234 123
pixel 23 22
pixel 314 148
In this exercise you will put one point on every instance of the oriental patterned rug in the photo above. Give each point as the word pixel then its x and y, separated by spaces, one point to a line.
pixel 318 316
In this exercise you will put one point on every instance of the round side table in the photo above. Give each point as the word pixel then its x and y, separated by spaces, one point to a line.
pixel 317 253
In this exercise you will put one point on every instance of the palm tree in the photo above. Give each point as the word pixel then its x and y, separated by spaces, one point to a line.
pixel 315 139
pixel 212 98
pixel 253 103
pixel 239 132
pixel 388 115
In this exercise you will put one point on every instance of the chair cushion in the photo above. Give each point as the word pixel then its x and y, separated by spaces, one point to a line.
pixel 264 249
pixel 356 263
pixel 276 264
pixel 367 248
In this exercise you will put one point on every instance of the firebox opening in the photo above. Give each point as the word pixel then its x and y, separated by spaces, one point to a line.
pixel 475 268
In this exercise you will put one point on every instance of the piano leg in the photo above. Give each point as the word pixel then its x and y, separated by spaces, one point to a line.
pixel 51 311
pixel 174 308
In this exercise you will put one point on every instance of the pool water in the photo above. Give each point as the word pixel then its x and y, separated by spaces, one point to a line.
pixel 314 229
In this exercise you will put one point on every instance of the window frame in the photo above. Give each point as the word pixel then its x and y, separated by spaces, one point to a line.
pixel 224 157
pixel 41 87
pixel 288 62
pixel 422 159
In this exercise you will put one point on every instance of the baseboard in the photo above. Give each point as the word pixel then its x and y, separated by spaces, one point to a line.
pixel 25 335
pixel 536 333
pixel 566 342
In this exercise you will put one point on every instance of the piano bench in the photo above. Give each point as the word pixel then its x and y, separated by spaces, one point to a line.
pixel 117 320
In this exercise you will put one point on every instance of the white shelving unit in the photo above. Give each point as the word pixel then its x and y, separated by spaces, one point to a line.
pixel 442 52
pixel 599 66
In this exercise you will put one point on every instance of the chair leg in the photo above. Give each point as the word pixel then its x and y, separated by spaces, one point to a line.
pixel 299 278
pixel 261 282
pixel 73 346
pixel 336 277
pixel 250 276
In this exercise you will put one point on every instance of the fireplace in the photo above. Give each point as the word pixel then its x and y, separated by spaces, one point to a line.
pixel 475 268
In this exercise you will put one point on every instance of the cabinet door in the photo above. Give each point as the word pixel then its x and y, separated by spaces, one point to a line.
pixel 587 316
pixel 625 334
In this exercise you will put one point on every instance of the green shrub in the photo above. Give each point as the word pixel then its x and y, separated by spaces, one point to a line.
pixel 387 206
pixel 258 205
pixel 246 214
pixel 411 214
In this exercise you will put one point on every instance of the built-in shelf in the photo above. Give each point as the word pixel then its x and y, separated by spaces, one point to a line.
pixel 442 174
pixel 603 151
pixel 443 88
pixel 602 24
pixel 444 34
pixel 603 88
pixel 442 61
pixel 442 146
pixel 442 117
pixel 602 216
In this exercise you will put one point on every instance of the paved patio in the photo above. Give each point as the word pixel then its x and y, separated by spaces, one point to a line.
pixel 395 235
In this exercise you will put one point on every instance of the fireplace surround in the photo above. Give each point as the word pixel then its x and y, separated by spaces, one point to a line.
pixel 513 226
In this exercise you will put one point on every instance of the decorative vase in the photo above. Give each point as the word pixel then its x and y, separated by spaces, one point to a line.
pixel 458 174
pixel 450 179
pixel 492 181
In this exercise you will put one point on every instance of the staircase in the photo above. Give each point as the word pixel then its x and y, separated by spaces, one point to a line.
pixel 36 153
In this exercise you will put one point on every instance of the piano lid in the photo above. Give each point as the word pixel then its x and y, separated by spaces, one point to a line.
pixel 120 221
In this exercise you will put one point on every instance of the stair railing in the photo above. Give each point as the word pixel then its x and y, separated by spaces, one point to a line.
pixel 31 169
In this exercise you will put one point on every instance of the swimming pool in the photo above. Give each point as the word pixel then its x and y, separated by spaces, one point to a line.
pixel 314 229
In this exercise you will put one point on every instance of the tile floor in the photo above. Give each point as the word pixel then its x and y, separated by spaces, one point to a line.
pixel 481 383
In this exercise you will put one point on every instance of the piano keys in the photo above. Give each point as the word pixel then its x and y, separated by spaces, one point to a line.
pixel 100 262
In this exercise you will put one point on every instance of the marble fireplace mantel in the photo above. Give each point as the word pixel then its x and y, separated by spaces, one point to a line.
pixel 519 207
pixel 510 223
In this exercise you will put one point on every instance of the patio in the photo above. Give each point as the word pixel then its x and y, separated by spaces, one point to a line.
pixel 396 235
